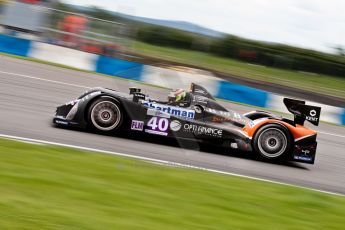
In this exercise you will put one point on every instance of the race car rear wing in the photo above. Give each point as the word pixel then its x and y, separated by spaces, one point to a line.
pixel 303 112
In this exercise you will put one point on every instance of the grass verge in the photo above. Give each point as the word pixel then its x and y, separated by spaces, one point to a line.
pixel 324 84
pixel 47 187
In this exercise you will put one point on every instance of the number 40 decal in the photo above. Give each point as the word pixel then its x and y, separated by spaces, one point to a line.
pixel 158 125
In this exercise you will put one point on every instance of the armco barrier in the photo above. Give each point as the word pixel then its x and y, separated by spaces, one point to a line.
pixel 171 78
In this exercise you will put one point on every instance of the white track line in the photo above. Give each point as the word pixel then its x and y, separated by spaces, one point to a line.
pixel 46 80
pixel 331 134
pixel 153 160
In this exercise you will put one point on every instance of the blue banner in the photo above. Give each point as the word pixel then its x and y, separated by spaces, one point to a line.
pixel 242 94
pixel 15 46
pixel 120 68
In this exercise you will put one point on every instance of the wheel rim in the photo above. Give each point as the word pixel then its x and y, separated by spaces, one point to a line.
pixel 105 115
pixel 272 142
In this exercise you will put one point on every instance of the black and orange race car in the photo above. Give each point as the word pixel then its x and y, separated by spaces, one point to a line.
pixel 198 116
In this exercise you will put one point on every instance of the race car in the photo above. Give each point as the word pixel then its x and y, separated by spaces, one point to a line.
pixel 196 115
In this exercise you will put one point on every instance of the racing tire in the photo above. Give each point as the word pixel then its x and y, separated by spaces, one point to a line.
pixel 272 142
pixel 105 115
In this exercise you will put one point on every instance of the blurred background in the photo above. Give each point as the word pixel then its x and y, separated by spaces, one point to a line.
pixel 154 41
pixel 97 30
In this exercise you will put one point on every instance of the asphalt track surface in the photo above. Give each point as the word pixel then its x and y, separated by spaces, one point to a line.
pixel 30 92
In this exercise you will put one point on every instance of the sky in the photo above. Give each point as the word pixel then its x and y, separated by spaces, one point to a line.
pixel 315 24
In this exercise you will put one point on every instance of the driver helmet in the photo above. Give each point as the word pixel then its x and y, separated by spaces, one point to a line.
pixel 177 95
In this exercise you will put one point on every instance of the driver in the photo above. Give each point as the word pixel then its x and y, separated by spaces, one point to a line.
pixel 177 95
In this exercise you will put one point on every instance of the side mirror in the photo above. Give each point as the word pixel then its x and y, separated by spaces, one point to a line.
pixel 134 90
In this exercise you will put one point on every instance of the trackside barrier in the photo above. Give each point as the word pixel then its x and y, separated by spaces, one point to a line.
pixel 120 68
pixel 63 56
pixel 242 94
pixel 170 78
pixel 15 46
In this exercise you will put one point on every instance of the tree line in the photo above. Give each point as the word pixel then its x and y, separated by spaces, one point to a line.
pixel 256 52
pixel 268 54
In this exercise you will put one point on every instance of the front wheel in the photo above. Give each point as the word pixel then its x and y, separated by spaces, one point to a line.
pixel 272 142
pixel 105 115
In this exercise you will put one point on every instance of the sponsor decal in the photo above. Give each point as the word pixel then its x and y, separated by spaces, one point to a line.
pixel 312 113
pixel 199 99
pixel 217 119
pixel 200 91
pixel 223 116
pixel 202 130
pixel 255 122
pixel 175 125
pixel 303 158
pixel 172 110
pixel 158 126
pixel 137 125
pixel 223 113
pixel 306 151
pixel 91 95
pixel 312 117
pixel 157 113
pixel 183 104
pixel 74 102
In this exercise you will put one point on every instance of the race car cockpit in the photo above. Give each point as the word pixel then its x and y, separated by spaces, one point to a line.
pixel 179 97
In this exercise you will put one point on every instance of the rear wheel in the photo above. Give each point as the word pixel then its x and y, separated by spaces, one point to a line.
pixel 105 115
pixel 272 142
